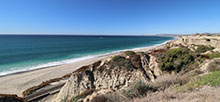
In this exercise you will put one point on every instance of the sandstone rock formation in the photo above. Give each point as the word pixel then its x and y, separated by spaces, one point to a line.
pixel 111 74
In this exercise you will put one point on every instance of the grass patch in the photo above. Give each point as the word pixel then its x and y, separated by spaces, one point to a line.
pixel 213 55
pixel 212 79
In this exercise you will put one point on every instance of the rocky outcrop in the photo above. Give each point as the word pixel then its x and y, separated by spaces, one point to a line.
pixel 110 74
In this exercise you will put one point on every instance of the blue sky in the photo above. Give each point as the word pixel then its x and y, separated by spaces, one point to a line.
pixel 109 17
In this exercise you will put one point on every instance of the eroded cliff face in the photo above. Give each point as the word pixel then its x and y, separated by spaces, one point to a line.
pixel 110 74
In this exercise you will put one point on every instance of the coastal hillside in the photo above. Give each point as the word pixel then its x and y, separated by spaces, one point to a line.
pixel 131 75
pixel 183 70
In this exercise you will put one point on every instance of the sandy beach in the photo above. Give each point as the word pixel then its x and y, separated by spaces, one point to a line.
pixel 17 83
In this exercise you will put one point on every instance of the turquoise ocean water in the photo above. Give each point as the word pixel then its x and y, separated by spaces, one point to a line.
pixel 27 52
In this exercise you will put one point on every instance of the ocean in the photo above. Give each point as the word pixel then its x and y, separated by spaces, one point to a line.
pixel 27 52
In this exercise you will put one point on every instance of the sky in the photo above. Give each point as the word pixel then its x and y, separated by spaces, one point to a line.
pixel 109 17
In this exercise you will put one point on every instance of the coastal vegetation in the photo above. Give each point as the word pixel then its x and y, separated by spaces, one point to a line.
pixel 118 58
pixel 203 48
pixel 175 59
pixel 128 63
pixel 212 55
pixel 139 89
pixel 211 79
pixel 129 53
pixel 121 61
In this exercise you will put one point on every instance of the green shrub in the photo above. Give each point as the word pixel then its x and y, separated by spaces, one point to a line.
pixel 118 58
pixel 124 63
pixel 121 62
pixel 175 59
pixel 134 61
pixel 139 89
pixel 203 48
pixel 129 53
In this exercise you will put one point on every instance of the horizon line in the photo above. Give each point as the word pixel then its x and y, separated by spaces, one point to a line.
pixel 89 34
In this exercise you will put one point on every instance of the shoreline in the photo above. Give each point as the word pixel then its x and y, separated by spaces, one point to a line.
pixel 73 60
pixel 16 83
